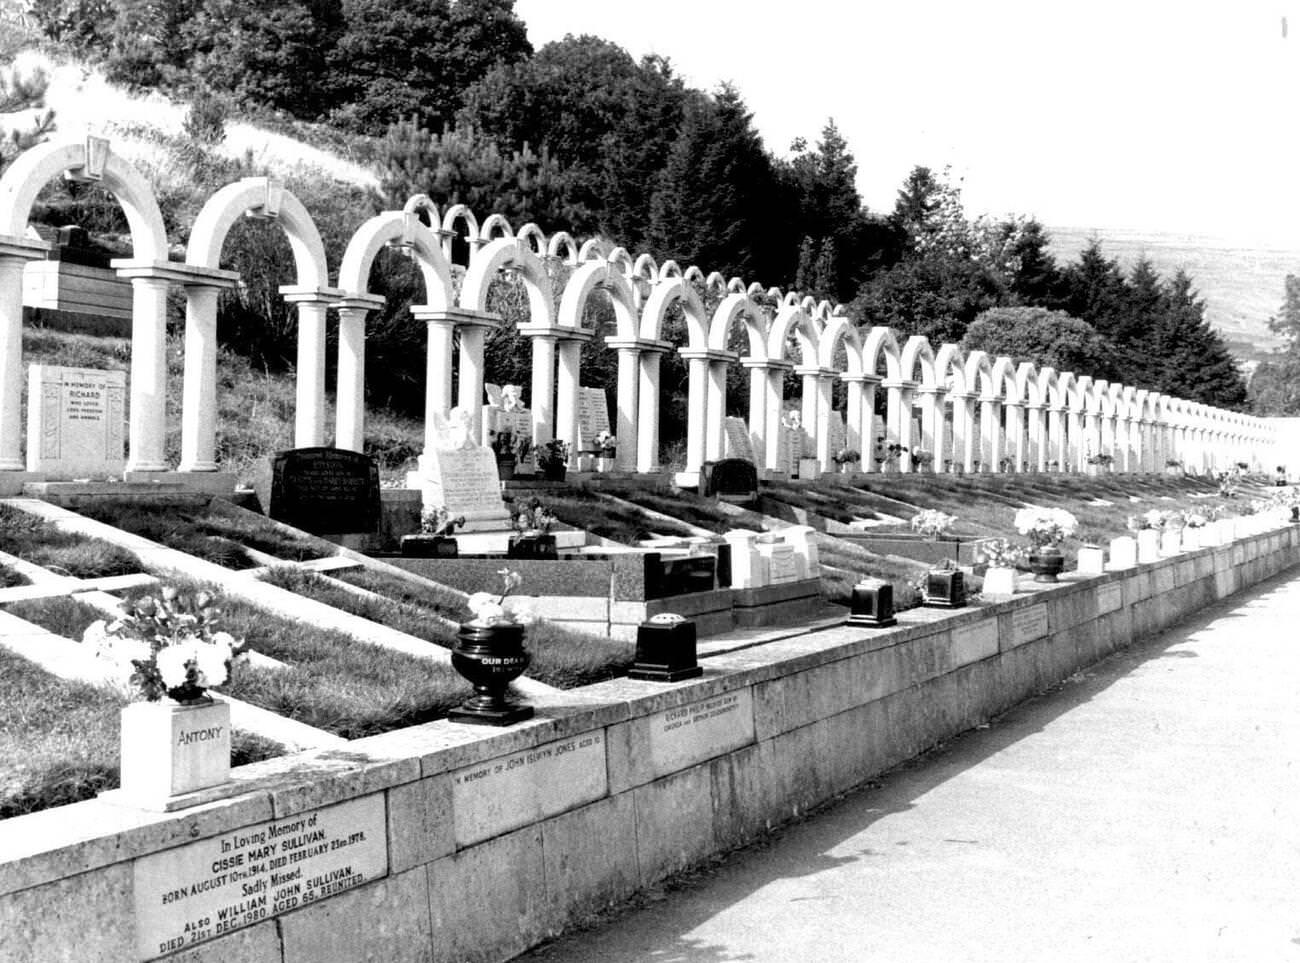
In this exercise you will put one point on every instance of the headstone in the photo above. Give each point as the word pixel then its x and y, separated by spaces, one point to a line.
pixel 1091 560
pixel 748 567
pixel 1123 552
pixel 76 421
pixel 465 481
pixel 325 491
pixel 593 416
pixel 791 444
pixel 805 550
pixel 781 563
pixel 739 444
pixel 1148 545
pixel 731 479
pixel 839 435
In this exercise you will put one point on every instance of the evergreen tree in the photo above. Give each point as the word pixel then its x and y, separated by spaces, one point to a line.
pixel 1041 336
pixel 711 204
pixel 1196 362
pixel 1275 385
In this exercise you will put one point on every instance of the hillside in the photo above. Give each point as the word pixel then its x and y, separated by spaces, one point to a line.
pixel 1241 284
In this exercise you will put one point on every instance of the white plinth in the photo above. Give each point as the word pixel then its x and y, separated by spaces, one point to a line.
pixel 1148 542
pixel 1092 560
pixel 169 750
pixel 999 581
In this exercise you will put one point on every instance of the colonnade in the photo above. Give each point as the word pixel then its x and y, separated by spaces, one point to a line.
pixel 945 409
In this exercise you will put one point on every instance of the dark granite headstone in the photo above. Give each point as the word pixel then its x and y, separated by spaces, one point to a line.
pixel 325 491
pixel 731 479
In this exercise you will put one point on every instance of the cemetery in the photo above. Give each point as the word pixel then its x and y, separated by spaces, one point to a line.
pixel 448 711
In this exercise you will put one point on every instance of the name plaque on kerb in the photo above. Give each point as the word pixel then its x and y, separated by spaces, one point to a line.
pixel 1028 624
pixel 206 889
pixel 974 642
pixel 1110 598
pixel 501 794
pixel 691 733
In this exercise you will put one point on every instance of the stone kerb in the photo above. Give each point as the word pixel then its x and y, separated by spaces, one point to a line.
pixel 608 789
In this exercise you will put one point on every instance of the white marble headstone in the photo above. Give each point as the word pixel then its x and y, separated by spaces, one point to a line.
pixel 76 421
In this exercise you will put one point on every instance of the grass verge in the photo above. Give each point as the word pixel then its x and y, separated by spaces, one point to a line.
pixel 37 541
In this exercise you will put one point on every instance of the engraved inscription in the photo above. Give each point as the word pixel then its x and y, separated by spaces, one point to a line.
pixel 691 733
pixel 1110 598
pixel 1028 624
pixel 215 886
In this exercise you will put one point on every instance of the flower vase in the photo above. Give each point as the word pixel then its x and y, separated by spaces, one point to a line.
pixel 490 657
pixel 505 467
pixel 1046 564
pixel 604 463
pixel 999 580
pixel 170 749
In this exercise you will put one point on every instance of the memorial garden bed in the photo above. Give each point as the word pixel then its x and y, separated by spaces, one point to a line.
pixel 59 739
pixel 36 541
pixel 203 532
pixel 561 658
pixel 333 681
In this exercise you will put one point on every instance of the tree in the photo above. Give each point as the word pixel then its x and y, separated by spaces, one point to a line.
pixel 415 60
pixel 1041 336
pixel 1275 385
pixel 1196 362
pixel 712 201
pixel 607 119
pixel 22 92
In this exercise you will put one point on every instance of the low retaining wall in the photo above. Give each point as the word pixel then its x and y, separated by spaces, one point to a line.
pixel 445 842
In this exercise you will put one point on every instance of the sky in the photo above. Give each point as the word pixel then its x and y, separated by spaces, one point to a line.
pixel 1147 115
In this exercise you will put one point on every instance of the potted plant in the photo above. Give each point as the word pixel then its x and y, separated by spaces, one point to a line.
pixel 1046 528
pixel 1099 463
pixel 847 460
pixel 177 740
pixel 437 526
pixel 553 459
pixel 532 523
pixel 503 446
pixel 489 654
pixel 606 450
pixel 1174 466
pixel 1001 556
pixel 922 459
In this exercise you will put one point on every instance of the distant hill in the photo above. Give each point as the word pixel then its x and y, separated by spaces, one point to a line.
pixel 1241 284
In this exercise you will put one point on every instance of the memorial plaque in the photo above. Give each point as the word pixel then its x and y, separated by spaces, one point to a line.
pixel 501 794
pixel 206 889
pixel 839 435
pixel 782 566
pixel 1028 624
pixel 325 491
pixel 739 444
pixel 593 416
pixel 1110 598
pixel 464 481
pixel 689 734
pixel 974 642
pixel 731 479
pixel 76 421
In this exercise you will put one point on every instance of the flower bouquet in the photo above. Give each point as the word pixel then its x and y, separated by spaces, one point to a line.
pixel 1046 528
pixel 932 523
pixel 489 653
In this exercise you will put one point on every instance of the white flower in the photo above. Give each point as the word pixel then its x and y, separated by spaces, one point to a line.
pixel 520 610
pixel 224 641
pixel 126 650
pixel 212 661
pixel 173 664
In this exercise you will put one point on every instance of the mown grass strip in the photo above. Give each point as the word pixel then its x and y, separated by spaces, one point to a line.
pixel 63 553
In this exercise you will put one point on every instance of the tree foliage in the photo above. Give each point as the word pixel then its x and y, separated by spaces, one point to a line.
pixel 1038 335
pixel 1275 384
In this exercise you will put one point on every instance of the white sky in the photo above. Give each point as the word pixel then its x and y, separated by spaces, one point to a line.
pixel 1143 114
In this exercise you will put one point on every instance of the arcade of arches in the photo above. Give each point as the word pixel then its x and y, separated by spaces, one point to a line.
pixel 964 409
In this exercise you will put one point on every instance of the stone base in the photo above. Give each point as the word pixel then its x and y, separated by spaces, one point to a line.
pixel 492 717
pixel 16 482
pixel 665 675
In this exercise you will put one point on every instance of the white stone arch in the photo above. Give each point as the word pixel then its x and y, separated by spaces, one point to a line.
pixel 534 237
pixel 673 288
pixel 841 331
pixel 515 255
pixel 494 227
pixel 949 389
pixel 707 398
pixel 592 249
pixel 587 279
pixel 21 183
pixel 265 198
pixel 405 230
pixel 563 241
pixel 460 214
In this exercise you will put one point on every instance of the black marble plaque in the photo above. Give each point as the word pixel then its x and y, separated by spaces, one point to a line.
pixel 325 491
pixel 731 479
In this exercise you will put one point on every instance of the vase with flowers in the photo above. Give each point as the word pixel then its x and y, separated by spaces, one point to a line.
pixel 170 650
pixel 489 654
pixel 1046 528
pixel 532 522
pixel 606 451
pixel 553 459
pixel 1001 555
pixel 436 536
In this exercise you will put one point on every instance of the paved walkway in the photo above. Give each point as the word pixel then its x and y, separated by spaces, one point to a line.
pixel 1149 810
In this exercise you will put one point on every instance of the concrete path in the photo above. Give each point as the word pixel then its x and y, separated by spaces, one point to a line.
pixel 1148 810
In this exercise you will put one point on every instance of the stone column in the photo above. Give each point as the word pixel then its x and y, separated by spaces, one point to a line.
pixel 697 401
pixel 715 410
pixel 932 422
pixel 815 412
pixel 963 425
pixel 309 413
pixel 1108 435
pixel 1075 445
pixel 772 393
pixel 543 391
pixel 647 440
pixel 1092 436
pixel 1037 449
pixel 147 418
pixel 854 434
pixel 199 382
pixel 350 398
pixel 440 331
pixel 469 386
pixel 14 254
pixel 1126 429
pixel 990 432
pixel 568 380
pixel 629 367
pixel 757 421
pixel 1016 450
pixel 868 416
pixel 898 416
pixel 1057 448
